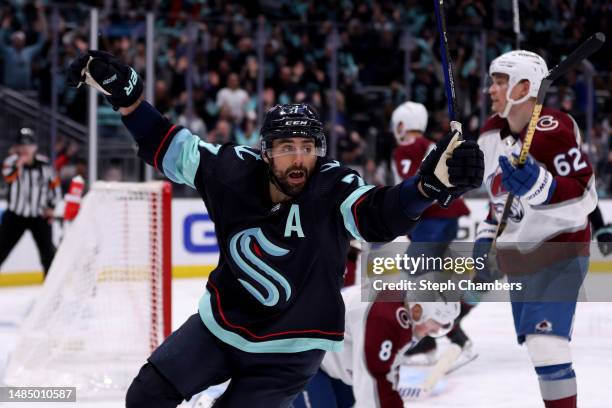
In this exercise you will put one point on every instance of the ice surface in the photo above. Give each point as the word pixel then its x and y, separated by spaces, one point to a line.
pixel 500 377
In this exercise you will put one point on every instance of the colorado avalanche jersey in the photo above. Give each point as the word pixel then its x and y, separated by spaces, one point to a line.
pixel 277 285
pixel 377 336
pixel 407 158
pixel 556 146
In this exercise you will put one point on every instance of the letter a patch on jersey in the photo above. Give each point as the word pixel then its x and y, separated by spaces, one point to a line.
pixel 294 224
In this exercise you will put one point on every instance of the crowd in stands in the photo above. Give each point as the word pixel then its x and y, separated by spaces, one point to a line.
pixel 207 64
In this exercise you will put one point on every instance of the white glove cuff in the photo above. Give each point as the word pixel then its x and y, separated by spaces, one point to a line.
pixel 538 194
pixel 486 230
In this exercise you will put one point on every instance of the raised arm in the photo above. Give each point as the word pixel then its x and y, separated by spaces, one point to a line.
pixel 170 148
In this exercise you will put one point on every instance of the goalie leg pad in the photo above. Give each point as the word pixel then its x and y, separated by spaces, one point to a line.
pixel 150 389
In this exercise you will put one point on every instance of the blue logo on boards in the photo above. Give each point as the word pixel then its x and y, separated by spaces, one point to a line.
pixel 246 250
pixel 206 241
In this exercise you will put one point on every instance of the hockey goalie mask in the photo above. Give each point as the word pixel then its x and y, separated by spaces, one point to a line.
pixel 289 121
pixel 519 65
pixel 408 116
pixel 442 313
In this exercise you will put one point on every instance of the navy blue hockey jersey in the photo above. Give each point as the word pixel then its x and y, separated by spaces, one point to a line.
pixel 277 285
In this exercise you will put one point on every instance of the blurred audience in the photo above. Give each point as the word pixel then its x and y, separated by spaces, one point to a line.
pixel 222 66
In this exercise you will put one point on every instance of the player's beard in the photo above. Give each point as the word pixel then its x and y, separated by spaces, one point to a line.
pixel 281 179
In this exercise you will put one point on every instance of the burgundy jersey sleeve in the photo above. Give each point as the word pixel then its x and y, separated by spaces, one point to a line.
pixel 386 332
pixel 556 144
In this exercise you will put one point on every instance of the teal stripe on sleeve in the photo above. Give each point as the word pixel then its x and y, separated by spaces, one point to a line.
pixel 347 214
pixel 182 158
pixel 294 345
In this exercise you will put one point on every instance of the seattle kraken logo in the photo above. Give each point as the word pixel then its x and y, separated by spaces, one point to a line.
pixel 249 244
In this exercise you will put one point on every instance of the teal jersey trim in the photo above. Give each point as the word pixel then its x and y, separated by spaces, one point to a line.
pixel 182 158
pixel 294 345
pixel 347 214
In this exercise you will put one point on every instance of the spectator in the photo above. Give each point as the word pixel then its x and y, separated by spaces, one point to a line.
pixel 248 135
pixel 297 59
pixel 65 151
pixel 222 133
pixel 350 147
pixel 234 98
pixel 18 56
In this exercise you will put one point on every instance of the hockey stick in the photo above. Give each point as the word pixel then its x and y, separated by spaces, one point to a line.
pixel 442 366
pixel 447 65
pixel 516 23
pixel 458 365
pixel 584 50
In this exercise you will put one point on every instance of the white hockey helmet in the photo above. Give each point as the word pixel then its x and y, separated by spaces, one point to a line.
pixel 408 116
pixel 442 311
pixel 519 65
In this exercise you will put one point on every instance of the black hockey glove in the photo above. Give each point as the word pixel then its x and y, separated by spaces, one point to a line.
pixel 119 82
pixel 604 239
pixel 453 167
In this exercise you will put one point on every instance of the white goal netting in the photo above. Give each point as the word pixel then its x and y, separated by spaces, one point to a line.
pixel 105 304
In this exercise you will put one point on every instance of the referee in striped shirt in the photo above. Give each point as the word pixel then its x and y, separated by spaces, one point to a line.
pixel 33 192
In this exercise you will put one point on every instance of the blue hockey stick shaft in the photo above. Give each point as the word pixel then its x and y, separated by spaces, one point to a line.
pixel 447 67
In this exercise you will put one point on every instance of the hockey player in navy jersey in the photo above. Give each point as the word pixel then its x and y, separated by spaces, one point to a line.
pixel 554 194
pixel 283 218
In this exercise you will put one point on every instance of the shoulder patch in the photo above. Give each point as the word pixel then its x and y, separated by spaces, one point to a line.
pixel 350 178
pixel 328 166
pixel 547 123
pixel 213 148
pixel 402 316
pixel 241 150
pixel 558 124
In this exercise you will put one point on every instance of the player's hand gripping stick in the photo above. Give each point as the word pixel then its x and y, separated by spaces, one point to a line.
pixel 453 167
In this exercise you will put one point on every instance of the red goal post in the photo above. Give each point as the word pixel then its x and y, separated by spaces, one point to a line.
pixel 106 302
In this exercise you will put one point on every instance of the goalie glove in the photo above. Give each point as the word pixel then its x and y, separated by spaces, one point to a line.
pixel 453 167
pixel 119 82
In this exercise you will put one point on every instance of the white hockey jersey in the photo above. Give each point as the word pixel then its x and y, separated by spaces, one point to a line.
pixel 376 336
pixel 556 146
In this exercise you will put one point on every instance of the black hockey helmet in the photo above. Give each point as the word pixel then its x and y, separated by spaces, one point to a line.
pixel 25 136
pixel 293 120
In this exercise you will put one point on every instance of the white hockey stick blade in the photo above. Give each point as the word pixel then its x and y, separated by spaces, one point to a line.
pixel 467 355
pixel 461 362
pixel 444 363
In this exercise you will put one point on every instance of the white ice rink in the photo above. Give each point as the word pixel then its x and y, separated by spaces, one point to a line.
pixel 501 377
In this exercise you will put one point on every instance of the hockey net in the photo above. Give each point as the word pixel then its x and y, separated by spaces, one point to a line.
pixel 105 304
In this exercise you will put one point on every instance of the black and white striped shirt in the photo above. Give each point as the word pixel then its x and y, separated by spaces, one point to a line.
pixel 31 189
